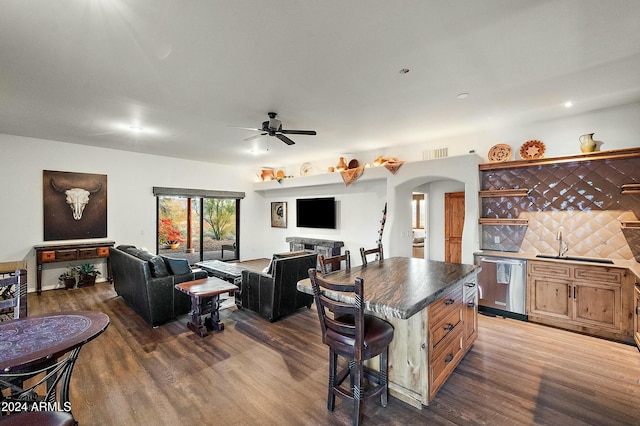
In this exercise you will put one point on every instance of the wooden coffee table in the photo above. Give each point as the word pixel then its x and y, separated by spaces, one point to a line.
pixel 205 299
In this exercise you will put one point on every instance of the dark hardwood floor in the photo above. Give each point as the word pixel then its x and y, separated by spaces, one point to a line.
pixel 258 373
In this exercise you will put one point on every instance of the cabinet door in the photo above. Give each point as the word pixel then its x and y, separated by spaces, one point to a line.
pixel 550 298
pixel 470 314
pixel 598 305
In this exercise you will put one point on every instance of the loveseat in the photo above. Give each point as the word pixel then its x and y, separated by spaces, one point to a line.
pixel 273 293
pixel 147 282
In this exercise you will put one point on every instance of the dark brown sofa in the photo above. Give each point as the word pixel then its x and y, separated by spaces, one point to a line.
pixel 273 293
pixel 147 282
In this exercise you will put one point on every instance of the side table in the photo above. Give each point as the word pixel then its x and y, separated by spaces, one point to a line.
pixel 205 299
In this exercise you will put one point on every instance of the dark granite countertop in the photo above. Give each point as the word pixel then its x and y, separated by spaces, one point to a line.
pixel 400 286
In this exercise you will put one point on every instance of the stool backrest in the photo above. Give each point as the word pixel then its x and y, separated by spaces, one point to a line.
pixel 377 251
pixel 12 290
pixel 334 263
pixel 342 323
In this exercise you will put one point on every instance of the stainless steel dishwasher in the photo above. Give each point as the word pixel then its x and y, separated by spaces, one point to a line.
pixel 502 286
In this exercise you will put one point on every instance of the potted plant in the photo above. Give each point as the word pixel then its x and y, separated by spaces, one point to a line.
pixel 87 274
pixel 168 235
pixel 69 278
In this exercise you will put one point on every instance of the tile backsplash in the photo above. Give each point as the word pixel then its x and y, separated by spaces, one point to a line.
pixel 582 199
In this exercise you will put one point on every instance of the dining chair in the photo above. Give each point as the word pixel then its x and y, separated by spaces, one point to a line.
pixel 377 251
pixel 334 263
pixel 13 296
pixel 352 334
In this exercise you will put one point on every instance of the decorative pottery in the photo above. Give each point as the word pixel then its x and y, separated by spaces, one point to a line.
pixel 69 283
pixel 354 164
pixel 532 150
pixel 342 165
pixel 305 169
pixel 330 169
pixel 280 174
pixel 267 174
pixel 499 153
pixel 587 144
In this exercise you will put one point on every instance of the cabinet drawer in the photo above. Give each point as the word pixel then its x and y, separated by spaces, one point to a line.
pixel 550 269
pixel 470 289
pixel 445 305
pixel 450 324
pixel 103 251
pixel 66 254
pixel 604 275
pixel 87 253
pixel 444 360
pixel 48 256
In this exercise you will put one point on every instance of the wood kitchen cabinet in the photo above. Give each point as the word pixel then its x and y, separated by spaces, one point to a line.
pixel 470 313
pixel 590 299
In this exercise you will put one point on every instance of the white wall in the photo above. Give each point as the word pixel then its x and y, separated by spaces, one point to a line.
pixel 131 206
pixel 359 212
pixel 131 176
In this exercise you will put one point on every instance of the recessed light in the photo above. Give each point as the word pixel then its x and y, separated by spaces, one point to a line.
pixel 404 70
pixel 463 95
pixel 568 104
pixel 136 129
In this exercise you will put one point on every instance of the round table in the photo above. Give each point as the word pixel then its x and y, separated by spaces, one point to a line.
pixel 33 345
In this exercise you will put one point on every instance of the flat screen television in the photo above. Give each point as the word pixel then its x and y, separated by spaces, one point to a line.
pixel 316 213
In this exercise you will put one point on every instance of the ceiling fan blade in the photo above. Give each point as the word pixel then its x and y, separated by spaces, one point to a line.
pixel 254 137
pixel 246 128
pixel 298 132
pixel 285 139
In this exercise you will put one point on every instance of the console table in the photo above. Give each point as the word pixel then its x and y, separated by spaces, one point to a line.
pixel 51 253
pixel 314 245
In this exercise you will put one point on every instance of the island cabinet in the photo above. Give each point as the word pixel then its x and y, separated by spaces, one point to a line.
pixel 596 300
pixel 429 345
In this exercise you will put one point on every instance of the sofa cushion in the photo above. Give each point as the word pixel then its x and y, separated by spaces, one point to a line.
pixel 124 247
pixel 177 266
pixel 158 267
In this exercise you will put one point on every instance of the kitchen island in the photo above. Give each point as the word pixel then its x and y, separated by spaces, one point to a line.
pixel 433 308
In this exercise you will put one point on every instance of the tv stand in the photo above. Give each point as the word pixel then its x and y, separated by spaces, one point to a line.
pixel 315 245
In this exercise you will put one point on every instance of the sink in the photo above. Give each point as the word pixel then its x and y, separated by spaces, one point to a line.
pixel 575 259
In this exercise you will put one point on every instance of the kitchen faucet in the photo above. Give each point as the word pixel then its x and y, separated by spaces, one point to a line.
pixel 561 250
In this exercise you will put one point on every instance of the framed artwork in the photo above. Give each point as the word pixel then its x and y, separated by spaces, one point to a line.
pixel 74 205
pixel 279 214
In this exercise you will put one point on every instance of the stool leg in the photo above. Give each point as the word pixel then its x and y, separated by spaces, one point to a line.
pixel 383 377
pixel 333 362
pixel 357 392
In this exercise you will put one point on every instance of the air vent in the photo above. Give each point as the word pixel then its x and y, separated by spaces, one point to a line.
pixel 432 154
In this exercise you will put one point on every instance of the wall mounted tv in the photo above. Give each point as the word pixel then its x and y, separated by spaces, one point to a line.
pixel 316 213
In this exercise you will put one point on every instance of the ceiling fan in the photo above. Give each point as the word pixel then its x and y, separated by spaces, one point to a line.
pixel 273 127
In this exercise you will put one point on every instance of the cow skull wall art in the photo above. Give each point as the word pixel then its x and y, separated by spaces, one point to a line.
pixel 77 198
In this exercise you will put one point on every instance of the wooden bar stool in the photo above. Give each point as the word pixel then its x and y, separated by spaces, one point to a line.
pixel 334 263
pixel 355 336
pixel 377 251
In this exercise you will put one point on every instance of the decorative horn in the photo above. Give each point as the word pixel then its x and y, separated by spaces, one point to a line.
pixel 98 188
pixel 56 187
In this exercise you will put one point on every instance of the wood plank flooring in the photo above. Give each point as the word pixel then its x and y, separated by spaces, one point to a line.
pixel 258 373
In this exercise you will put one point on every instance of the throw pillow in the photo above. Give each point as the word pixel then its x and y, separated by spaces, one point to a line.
pixel 158 267
pixel 177 266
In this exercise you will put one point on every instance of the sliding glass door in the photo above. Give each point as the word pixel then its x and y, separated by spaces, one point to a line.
pixel 198 228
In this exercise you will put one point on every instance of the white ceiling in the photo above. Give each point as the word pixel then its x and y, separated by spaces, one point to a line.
pixel 85 71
